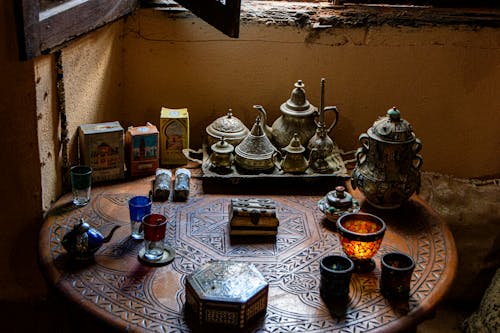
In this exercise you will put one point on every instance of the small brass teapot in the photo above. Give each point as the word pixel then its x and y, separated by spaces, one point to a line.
pixel 294 160
pixel 222 156
pixel 388 165
pixel 83 241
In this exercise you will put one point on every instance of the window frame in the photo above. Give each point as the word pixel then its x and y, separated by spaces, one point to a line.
pixel 40 30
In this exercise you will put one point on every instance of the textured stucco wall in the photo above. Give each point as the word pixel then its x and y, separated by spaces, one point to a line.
pixel 443 79
pixel 92 79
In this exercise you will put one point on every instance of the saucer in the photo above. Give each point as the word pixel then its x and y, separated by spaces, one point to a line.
pixel 167 257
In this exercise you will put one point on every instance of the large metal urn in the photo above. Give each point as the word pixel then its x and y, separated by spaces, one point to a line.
pixel 388 165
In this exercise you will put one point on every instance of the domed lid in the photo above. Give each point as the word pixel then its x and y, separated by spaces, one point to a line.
pixel 295 147
pixel 339 198
pixel 227 126
pixel 222 147
pixel 298 105
pixel 392 127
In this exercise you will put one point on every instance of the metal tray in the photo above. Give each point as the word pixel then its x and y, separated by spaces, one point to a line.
pixel 276 181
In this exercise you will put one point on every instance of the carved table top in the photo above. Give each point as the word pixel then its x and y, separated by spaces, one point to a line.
pixel 119 289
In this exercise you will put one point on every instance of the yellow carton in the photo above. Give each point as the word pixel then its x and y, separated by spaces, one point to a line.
pixel 174 136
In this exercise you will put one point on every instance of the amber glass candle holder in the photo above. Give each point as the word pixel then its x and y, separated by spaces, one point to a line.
pixel 360 235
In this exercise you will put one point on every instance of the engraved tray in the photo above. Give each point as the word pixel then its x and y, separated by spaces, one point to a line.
pixel 276 182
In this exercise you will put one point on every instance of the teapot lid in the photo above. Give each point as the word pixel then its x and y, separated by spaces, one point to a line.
pixel 392 127
pixel 295 147
pixel 339 198
pixel 297 104
pixel 227 126
pixel 222 147
pixel 82 227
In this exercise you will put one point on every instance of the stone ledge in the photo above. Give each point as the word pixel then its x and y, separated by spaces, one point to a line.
pixel 325 15
pixel 322 15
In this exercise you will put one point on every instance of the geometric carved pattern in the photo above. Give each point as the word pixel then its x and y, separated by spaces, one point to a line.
pixel 151 299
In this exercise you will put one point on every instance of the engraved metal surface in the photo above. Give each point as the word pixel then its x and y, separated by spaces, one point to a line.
pixel 119 289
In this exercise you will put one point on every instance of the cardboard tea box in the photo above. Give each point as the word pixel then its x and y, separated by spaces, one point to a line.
pixel 101 147
pixel 142 152
pixel 174 136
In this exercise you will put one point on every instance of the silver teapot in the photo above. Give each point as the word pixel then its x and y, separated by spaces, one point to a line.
pixel 388 165
pixel 297 116
pixel 83 241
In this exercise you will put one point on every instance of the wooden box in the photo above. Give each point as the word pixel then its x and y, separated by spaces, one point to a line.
pixel 174 135
pixel 142 153
pixel 226 293
pixel 253 216
pixel 101 147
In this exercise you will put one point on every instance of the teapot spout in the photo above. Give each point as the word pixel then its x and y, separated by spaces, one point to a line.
pixel 108 237
pixel 263 116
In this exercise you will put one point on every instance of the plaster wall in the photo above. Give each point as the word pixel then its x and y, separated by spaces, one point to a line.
pixel 443 79
pixel 92 80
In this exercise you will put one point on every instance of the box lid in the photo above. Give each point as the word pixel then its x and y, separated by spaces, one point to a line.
pixel 112 126
pixel 174 113
pixel 227 281
pixel 142 130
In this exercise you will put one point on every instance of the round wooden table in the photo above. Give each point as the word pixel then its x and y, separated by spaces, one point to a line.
pixel 117 288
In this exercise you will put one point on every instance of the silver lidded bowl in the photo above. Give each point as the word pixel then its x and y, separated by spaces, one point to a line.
pixel 229 127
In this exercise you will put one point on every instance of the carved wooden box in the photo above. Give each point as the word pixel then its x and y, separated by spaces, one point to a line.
pixel 253 216
pixel 226 293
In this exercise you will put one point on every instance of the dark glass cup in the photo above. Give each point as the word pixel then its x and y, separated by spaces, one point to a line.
pixel 336 272
pixel 397 270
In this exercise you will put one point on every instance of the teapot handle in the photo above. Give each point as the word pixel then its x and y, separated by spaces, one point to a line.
pixel 276 156
pixel 360 156
pixel 56 232
pixel 417 146
pixel 417 161
pixel 334 109
pixel 364 140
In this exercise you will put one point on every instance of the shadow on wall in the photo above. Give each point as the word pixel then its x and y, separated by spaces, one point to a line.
pixel 472 211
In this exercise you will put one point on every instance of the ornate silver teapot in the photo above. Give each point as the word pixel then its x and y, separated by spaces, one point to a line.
pixel 297 116
pixel 388 165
